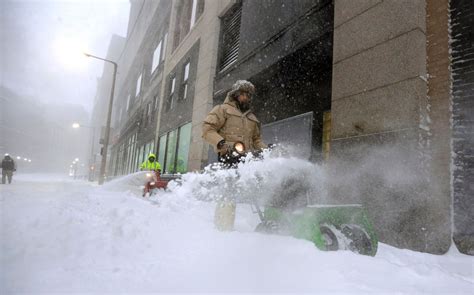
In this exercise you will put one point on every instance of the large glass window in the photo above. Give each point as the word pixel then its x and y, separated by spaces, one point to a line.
pixel 156 57
pixel 128 102
pixel 147 149
pixel 162 150
pixel 139 85
pixel 165 38
pixel 188 12
pixel 137 155
pixel 186 72
pixel 150 148
pixel 140 155
pixel 173 82
pixel 129 155
pixel 193 13
pixel 122 160
pixel 184 86
pixel 155 102
pixel 183 148
pixel 171 152
pixel 170 101
pixel 118 161
pixel 149 118
pixel 134 153
pixel 175 161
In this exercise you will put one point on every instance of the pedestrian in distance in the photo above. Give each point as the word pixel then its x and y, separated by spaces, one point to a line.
pixel 8 167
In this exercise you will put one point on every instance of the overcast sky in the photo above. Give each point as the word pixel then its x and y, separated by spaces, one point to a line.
pixel 41 42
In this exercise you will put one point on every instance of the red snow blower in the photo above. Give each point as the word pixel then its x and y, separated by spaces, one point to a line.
pixel 153 183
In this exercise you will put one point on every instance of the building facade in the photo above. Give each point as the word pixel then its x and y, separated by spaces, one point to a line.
pixel 388 98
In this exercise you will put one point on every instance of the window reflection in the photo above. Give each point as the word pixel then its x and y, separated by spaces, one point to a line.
pixel 173 160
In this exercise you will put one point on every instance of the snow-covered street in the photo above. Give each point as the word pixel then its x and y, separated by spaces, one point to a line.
pixel 60 235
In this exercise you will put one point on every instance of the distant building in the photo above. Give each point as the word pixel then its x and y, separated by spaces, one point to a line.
pixel 42 133
pixel 375 77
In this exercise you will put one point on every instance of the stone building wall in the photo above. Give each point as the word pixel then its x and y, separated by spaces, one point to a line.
pixel 390 129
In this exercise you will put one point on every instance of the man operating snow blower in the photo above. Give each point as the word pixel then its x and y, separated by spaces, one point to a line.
pixel 230 126
pixel 150 164
pixel 153 177
pixel 234 131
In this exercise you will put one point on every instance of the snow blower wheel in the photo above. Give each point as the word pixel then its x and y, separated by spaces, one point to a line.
pixel 359 239
pixel 329 238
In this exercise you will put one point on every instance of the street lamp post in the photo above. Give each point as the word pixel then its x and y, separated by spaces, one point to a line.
pixel 103 163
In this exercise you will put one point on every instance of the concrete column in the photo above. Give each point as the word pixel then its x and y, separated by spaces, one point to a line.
pixel 209 30
pixel 440 112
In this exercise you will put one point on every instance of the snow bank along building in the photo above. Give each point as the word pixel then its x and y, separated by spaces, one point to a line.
pixel 378 91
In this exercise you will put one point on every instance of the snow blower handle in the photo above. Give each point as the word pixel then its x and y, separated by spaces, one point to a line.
pixel 231 153
pixel 223 148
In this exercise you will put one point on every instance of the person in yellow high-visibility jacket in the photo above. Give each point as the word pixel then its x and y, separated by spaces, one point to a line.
pixel 151 164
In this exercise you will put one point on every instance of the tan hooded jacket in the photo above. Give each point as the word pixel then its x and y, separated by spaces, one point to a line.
pixel 227 122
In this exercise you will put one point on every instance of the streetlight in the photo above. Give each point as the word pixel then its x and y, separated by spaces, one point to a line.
pixel 109 116
pixel 74 166
pixel 76 125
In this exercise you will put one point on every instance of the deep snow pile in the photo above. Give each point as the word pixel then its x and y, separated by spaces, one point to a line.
pixel 65 236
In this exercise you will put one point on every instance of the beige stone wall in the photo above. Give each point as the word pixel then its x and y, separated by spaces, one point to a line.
pixel 378 50
pixel 204 84
pixel 206 30
pixel 383 129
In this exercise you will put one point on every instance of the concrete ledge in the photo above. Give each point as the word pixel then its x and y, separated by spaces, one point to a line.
pixel 376 25
pixel 396 60
pixel 389 108
pixel 347 9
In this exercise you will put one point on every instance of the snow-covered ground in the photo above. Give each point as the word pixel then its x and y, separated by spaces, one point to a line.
pixel 59 235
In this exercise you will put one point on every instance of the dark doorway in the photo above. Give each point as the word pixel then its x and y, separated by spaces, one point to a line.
pixel 297 84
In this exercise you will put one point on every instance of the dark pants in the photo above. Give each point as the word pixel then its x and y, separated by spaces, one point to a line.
pixel 5 174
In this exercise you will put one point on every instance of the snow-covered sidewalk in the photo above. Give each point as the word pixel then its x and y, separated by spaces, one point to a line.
pixel 59 235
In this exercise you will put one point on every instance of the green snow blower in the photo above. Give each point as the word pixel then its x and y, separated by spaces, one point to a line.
pixel 329 227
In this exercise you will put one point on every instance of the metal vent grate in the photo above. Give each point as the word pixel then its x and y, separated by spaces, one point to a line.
pixel 230 38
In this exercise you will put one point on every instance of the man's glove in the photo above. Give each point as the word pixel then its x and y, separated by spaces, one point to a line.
pixel 223 148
